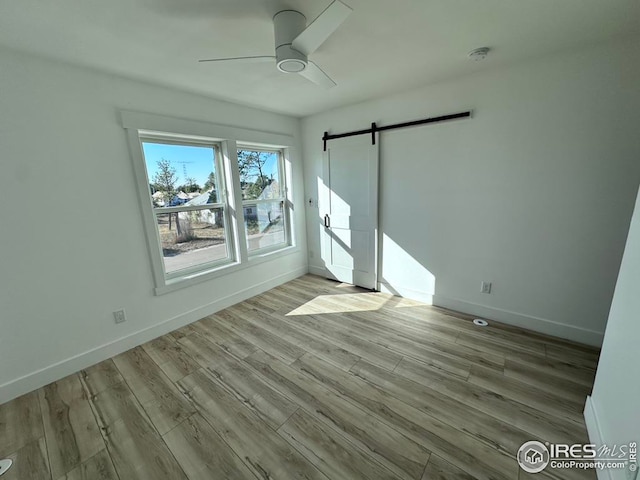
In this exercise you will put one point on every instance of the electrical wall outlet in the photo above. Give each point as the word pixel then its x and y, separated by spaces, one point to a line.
pixel 485 287
pixel 311 254
pixel 120 316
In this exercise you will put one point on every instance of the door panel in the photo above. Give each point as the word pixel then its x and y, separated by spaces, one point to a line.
pixel 350 201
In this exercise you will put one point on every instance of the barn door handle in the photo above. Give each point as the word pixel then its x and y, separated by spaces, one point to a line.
pixel 327 222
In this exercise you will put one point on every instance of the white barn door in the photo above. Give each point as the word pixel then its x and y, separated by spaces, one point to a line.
pixel 349 210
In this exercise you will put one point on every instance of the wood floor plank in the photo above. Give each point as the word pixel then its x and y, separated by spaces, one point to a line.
pixel 135 447
pixel 224 337
pixel 497 337
pixel 202 453
pixel 29 462
pixel 330 352
pixel 527 394
pixel 313 379
pixel 71 430
pixel 495 433
pixel 264 452
pixel 330 452
pixel 467 353
pixel 510 335
pixel 410 346
pixel 170 357
pixel 114 403
pixel 475 457
pixel 315 282
pixel 266 302
pixel 98 467
pixel 138 452
pixel 557 368
pixel 260 337
pixel 398 322
pixel 397 452
pixel 20 423
pixel 440 469
pixel 342 337
pixel 241 381
pixel 160 398
pixel 340 303
pixel 277 303
pixel 580 359
pixel 296 303
pixel 563 387
pixel 489 344
pixel 559 474
pixel 538 423
pixel 101 376
pixel 422 318
pixel 182 331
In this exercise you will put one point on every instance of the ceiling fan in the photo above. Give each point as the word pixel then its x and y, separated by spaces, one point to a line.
pixel 295 41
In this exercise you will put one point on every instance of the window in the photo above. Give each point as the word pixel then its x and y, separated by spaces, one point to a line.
pixel 187 195
pixel 265 207
pixel 210 205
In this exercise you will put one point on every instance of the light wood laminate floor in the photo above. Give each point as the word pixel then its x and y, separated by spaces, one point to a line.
pixel 310 380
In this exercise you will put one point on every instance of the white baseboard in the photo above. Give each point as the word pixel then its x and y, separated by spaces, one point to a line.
pixel 382 286
pixel 320 271
pixel 595 437
pixel 39 378
pixel 537 324
pixel 406 293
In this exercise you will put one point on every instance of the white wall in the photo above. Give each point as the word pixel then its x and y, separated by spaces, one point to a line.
pixel 533 194
pixel 611 413
pixel 72 245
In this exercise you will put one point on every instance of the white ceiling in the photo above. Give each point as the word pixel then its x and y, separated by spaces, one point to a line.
pixel 383 47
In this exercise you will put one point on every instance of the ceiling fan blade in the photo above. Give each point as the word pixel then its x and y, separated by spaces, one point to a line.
pixel 321 28
pixel 315 74
pixel 257 59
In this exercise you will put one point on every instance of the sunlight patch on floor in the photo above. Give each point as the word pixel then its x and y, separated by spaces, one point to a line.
pixel 348 302
pixel 353 302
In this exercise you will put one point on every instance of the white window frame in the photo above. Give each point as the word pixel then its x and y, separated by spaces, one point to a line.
pixel 284 198
pixel 228 138
pixel 222 191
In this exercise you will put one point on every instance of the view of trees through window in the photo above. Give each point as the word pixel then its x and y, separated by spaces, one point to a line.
pixel 185 195
pixel 263 198
pixel 184 183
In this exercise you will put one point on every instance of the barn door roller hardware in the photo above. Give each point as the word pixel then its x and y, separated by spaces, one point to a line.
pixel 374 128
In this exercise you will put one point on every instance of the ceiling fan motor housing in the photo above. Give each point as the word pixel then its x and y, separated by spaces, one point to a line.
pixel 288 24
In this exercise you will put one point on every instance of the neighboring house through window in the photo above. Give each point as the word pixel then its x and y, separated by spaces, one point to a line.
pixel 210 204
pixel 266 215
pixel 190 211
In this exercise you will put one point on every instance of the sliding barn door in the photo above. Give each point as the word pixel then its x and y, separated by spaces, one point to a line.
pixel 349 210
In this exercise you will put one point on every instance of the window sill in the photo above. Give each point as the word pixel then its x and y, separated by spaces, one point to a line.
pixel 190 279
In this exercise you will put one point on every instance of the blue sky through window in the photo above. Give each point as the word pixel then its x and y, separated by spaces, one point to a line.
pixel 194 161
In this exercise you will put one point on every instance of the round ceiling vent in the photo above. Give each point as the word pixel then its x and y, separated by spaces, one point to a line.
pixel 479 53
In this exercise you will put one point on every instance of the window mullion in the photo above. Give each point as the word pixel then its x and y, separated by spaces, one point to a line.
pixel 234 198
pixel 286 177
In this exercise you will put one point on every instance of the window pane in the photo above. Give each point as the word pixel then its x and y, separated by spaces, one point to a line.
pixel 192 238
pixel 180 174
pixel 264 224
pixel 259 174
